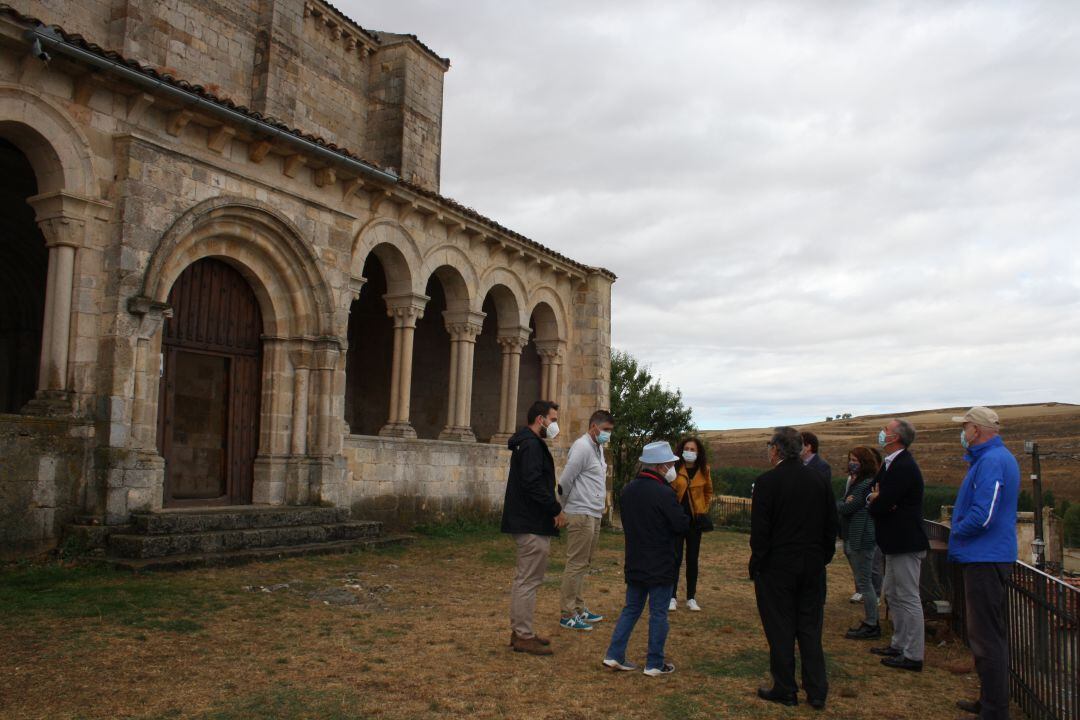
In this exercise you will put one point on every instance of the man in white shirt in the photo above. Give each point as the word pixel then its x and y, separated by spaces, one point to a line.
pixel 582 491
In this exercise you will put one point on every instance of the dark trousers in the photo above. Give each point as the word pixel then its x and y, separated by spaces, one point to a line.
pixel 791 602
pixel 986 614
pixel 692 540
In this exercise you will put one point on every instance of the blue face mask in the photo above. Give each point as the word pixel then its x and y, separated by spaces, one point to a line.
pixel 963 440
pixel 604 437
pixel 881 439
pixel 853 468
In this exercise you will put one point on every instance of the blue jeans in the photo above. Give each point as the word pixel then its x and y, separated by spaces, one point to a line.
pixel 659 597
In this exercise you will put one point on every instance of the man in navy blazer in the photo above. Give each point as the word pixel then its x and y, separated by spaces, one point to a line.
pixel 896 506
pixel 810 457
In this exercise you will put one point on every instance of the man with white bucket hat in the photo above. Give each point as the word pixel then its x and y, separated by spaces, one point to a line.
pixel 652 519
pixel 982 540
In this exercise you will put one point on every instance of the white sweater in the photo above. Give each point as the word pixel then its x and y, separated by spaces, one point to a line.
pixel 583 487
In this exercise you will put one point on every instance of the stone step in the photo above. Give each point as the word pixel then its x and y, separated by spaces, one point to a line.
pixel 165 522
pixel 239 557
pixel 139 546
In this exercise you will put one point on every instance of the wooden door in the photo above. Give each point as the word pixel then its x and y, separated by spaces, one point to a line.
pixel 208 411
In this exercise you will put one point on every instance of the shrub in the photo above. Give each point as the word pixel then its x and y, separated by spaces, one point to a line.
pixel 734 480
pixel 1072 526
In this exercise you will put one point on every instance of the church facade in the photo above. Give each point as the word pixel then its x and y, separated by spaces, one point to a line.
pixel 229 276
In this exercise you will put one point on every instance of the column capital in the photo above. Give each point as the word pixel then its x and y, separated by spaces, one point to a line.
pixel 405 308
pixel 62 216
pixel 300 353
pixel 464 325
pixel 551 350
pixel 327 352
pixel 151 314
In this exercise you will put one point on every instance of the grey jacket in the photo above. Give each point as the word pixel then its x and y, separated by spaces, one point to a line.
pixel 583 487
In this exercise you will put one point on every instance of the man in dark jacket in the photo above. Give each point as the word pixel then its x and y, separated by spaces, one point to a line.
pixel 793 526
pixel 652 520
pixel 810 457
pixel 533 516
pixel 896 506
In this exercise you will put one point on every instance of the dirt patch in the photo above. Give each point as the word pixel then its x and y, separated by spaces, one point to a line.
pixel 419 633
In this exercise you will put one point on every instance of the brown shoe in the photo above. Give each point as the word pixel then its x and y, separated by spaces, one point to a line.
pixel 532 646
pixel 542 640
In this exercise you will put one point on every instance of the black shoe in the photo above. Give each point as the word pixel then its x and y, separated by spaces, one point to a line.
pixel 817 704
pixel 887 651
pixel 902 663
pixel 970 706
pixel 864 632
pixel 776 697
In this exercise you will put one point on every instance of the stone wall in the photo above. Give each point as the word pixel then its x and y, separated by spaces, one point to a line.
pixel 405 482
pixel 43 466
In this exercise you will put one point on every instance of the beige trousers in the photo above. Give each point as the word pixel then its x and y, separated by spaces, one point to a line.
pixel 532 556
pixel 582 536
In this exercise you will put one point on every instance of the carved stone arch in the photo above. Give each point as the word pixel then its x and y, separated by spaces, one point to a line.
pixel 265 247
pixel 57 149
pixel 512 283
pixel 458 275
pixel 403 268
pixel 551 326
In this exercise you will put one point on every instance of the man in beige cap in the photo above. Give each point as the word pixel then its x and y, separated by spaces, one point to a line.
pixel 983 542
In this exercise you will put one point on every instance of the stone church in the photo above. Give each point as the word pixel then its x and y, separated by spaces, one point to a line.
pixel 228 276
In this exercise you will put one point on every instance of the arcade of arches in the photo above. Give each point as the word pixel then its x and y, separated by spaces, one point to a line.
pixel 193 314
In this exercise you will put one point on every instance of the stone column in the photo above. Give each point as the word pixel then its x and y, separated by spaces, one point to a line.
pixel 464 328
pixel 550 352
pixel 326 358
pixel 148 369
pixel 62 218
pixel 301 362
pixel 405 309
pixel 512 342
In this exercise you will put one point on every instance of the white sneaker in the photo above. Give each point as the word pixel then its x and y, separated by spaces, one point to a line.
pixel 691 604
pixel 657 672
pixel 625 666
pixel 673 605
pixel 856 598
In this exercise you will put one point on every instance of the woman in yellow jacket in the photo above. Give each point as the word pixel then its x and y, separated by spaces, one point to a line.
pixel 693 487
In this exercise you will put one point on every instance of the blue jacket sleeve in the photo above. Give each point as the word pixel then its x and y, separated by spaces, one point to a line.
pixel 988 484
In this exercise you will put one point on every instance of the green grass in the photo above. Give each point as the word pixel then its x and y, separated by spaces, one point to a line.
pixel 281 702
pixel 750 663
pixel 459 528
pixel 679 707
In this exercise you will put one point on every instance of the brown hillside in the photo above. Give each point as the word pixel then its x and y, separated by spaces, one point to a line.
pixel 1055 426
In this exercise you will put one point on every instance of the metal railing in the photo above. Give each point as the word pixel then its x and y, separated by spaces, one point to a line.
pixel 1044 634
pixel 731 512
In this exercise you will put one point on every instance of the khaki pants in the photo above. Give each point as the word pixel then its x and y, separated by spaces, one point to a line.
pixel 532 556
pixel 582 536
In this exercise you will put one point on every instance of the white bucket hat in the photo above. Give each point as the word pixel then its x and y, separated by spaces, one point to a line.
pixel 657 453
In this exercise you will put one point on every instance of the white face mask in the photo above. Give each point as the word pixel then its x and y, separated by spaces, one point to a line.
pixel 689 456
pixel 670 475
pixel 552 430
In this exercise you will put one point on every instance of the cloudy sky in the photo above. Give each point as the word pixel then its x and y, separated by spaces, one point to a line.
pixel 812 207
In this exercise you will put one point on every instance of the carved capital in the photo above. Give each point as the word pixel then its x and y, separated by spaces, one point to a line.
pixel 327 354
pixel 405 308
pixel 550 351
pixel 513 339
pixel 464 325
pixel 62 216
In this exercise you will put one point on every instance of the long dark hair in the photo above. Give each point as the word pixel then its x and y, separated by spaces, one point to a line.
pixel 702 453
pixel 868 462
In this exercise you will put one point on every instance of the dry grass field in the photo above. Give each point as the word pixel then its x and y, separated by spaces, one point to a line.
pixel 1055 426
pixel 419 632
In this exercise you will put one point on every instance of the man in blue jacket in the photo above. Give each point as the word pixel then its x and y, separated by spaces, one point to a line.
pixel 983 542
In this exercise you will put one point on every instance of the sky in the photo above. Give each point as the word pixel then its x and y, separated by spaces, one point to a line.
pixel 812 207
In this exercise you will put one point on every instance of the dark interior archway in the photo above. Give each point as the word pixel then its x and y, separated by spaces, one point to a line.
pixel 430 397
pixel 370 356
pixel 24 262
pixel 487 376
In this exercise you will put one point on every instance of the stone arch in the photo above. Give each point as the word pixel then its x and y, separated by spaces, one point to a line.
pixel 396 250
pixel 57 149
pixel 549 313
pixel 514 290
pixel 457 274
pixel 265 247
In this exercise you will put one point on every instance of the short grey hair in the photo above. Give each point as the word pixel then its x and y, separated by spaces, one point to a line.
pixel 787 441
pixel 905 431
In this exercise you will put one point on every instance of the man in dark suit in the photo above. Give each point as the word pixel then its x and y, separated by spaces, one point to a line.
pixel 896 506
pixel 793 526
pixel 810 457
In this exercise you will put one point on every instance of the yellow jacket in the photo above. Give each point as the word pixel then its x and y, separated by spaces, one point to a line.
pixel 701 490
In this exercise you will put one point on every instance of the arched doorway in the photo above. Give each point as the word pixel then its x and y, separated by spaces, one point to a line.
pixel 208 410
pixel 23 268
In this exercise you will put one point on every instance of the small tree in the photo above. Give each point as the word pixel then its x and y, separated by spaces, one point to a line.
pixel 1072 525
pixel 644 411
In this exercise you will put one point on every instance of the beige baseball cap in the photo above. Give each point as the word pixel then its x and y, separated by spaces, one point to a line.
pixel 980 416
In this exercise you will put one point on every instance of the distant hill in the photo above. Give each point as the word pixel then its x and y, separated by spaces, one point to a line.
pixel 1055 426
